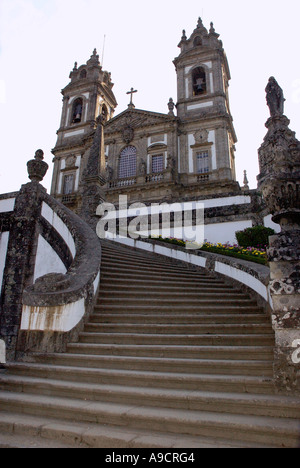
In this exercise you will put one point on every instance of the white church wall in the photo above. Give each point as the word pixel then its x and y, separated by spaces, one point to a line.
pixel 243 277
pixel 2 352
pixel 58 319
pixel 7 205
pixel 227 201
pixel 269 223
pixel 60 227
pixel 224 232
pixel 4 236
pixel 47 261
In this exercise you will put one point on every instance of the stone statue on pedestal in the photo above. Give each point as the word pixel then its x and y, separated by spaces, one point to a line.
pixel 275 98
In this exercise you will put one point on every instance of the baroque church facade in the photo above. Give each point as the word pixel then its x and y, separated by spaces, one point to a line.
pixel 187 153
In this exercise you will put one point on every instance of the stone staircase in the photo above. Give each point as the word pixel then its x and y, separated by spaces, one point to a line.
pixel 173 357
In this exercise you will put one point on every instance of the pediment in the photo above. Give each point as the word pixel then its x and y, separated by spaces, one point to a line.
pixel 136 119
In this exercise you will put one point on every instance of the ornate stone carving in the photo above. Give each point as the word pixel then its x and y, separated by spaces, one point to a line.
pixel 109 173
pixel 143 168
pixel 201 136
pixel 128 134
pixel 71 161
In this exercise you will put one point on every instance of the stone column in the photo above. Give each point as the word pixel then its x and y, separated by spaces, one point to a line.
pixel 94 177
pixel 279 182
pixel 20 260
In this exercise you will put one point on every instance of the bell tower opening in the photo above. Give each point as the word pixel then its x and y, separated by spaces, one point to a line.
pixel 199 81
pixel 77 111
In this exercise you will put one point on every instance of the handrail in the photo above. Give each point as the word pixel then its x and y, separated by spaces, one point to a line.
pixel 83 271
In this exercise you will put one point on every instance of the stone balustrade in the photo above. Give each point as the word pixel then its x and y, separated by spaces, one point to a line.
pixel 49 270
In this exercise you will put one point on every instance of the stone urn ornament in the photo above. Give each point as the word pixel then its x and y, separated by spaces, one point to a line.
pixel 37 167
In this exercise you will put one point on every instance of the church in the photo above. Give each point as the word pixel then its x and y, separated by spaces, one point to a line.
pixel 135 342
pixel 188 153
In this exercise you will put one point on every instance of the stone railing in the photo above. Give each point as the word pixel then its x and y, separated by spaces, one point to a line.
pixel 203 177
pixel 155 177
pixel 127 182
pixel 56 306
pixel 50 271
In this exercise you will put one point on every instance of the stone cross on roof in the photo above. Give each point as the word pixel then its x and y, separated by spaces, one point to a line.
pixel 131 92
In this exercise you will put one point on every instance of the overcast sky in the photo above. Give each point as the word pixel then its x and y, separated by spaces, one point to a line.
pixel 41 39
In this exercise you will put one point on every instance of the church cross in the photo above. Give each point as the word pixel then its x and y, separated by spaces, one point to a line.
pixel 131 92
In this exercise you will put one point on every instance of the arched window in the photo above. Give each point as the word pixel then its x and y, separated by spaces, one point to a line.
pixel 77 111
pixel 197 41
pixel 82 74
pixel 199 81
pixel 127 164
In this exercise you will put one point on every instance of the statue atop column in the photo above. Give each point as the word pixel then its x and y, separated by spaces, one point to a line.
pixel 279 183
pixel 275 98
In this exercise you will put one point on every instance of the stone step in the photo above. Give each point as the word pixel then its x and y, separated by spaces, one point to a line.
pixel 192 339
pixel 178 309
pixel 175 380
pixel 57 433
pixel 109 276
pixel 156 267
pixel 169 301
pixel 179 329
pixel 141 261
pixel 128 254
pixel 232 403
pixel 261 429
pixel 201 352
pixel 199 318
pixel 154 364
pixel 152 270
pixel 140 285
pixel 154 294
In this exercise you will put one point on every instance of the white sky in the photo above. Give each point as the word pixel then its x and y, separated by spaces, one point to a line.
pixel 41 39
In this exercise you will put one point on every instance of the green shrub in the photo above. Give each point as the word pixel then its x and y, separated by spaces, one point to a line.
pixel 257 236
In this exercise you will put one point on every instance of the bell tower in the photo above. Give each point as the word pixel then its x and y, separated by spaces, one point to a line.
pixel 88 96
pixel 207 141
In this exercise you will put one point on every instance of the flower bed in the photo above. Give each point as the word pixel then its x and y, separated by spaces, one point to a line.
pixel 250 253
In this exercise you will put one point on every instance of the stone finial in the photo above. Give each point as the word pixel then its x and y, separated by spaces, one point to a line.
pixel 200 23
pixel 94 58
pixel 171 106
pixel 212 31
pixel 183 38
pixel 246 182
pixel 36 167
